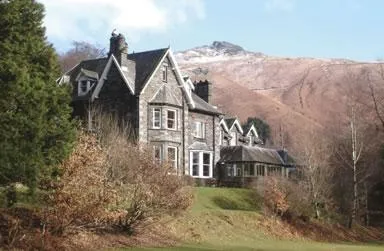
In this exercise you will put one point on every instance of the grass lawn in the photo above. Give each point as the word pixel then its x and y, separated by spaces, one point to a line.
pixel 230 219
pixel 207 199
pixel 269 246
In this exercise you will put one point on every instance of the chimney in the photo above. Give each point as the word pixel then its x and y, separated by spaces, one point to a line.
pixel 119 48
pixel 203 89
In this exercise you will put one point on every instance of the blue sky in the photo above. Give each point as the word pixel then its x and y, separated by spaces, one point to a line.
pixel 313 28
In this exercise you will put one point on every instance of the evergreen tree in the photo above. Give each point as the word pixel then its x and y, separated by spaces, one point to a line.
pixel 261 126
pixel 36 131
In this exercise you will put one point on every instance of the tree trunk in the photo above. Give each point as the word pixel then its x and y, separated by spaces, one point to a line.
pixel 355 199
pixel 366 205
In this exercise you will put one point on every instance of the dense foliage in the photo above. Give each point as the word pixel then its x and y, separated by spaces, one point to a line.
pixel 36 131
pixel 261 126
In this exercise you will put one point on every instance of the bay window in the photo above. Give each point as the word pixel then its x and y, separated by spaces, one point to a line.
pixel 171 119
pixel 172 156
pixel 156 118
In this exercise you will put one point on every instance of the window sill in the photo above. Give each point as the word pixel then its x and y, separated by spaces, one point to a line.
pixel 202 177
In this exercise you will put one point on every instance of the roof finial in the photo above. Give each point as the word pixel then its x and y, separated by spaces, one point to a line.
pixel 114 33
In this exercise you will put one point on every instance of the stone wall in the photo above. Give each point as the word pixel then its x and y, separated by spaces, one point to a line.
pixel 211 140
pixel 163 137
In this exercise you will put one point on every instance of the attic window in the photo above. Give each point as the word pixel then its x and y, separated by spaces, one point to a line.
pixel 199 130
pixel 165 72
pixel 85 85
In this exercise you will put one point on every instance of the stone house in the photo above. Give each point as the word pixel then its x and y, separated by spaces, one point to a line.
pixel 164 109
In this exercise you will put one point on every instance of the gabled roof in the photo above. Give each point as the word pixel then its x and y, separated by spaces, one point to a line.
pixel 137 72
pixel 202 106
pixel 95 65
pixel 145 65
pixel 140 67
pixel 100 83
pixel 250 154
pixel 231 122
pixel 224 125
pixel 248 128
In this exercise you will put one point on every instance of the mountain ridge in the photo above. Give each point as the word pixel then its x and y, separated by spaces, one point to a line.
pixel 309 92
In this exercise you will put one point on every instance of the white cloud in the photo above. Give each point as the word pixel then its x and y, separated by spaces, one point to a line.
pixel 280 5
pixel 68 20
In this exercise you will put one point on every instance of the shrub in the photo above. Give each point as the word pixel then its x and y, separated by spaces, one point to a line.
pixel 111 182
pixel 145 190
pixel 283 197
pixel 83 192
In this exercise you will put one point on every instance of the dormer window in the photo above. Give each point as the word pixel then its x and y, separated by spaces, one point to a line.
pixel 85 81
pixel 85 85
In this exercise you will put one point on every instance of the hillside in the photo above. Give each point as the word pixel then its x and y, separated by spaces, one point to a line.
pixel 289 93
pixel 231 219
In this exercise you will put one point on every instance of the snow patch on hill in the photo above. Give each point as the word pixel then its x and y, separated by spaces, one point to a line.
pixel 217 51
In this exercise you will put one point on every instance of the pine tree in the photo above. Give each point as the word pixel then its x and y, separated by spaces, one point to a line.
pixel 261 126
pixel 36 131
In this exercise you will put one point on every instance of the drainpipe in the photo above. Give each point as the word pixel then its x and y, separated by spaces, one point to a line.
pixel 89 116
pixel 214 147
pixel 183 133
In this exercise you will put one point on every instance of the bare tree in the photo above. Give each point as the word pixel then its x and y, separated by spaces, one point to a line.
pixel 376 92
pixel 356 140
pixel 80 51
pixel 313 151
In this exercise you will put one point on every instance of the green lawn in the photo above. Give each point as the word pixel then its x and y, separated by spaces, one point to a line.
pixel 229 219
pixel 269 246
pixel 207 198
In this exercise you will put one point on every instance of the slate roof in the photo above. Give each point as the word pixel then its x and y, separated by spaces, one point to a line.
pixel 95 65
pixel 229 122
pixel 250 154
pixel 145 65
pixel 90 74
pixel 201 105
pixel 140 67
pixel 246 128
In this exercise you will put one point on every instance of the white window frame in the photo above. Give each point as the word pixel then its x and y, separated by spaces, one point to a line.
pixel 201 164
pixel 156 110
pixel 174 119
pixel 88 85
pixel 200 134
pixel 233 141
pixel 221 141
pixel 165 73
pixel 174 162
